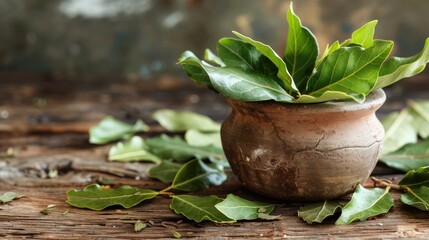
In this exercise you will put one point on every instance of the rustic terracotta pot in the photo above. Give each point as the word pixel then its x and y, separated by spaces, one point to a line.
pixel 303 152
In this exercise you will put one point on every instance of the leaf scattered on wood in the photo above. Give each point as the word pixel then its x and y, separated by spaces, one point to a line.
pixel 165 172
pixel 9 197
pixel 177 121
pixel 95 197
pixel 139 225
pixel 417 197
pixel 238 208
pixel 317 212
pixel 110 129
pixel 133 149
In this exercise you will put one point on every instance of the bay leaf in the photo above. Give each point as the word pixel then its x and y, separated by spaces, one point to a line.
pixel 329 96
pixel 282 73
pixel 9 197
pixel 399 131
pixel 365 203
pixel 416 178
pixel 110 129
pixel 133 149
pixel 328 50
pixel 213 58
pixel 238 208
pixel 196 175
pixel 199 138
pixel 317 212
pixel 419 111
pixel 199 208
pixel 335 73
pixel 95 197
pixel 417 197
pixel 176 148
pixel 397 68
pixel 178 121
pixel 301 50
pixel 409 157
pixel 364 36
pixel 240 54
pixel 192 66
pixel 139 225
pixel 165 172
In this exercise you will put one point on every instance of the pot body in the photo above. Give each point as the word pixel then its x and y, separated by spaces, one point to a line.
pixel 303 152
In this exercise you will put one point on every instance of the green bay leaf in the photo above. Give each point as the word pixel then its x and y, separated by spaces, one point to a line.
pixel 301 50
pixel 95 197
pixel 409 157
pixel 329 96
pixel 399 131
pixel 416 178
pixel 365 203
pixel 351 70
pixel 192 66
pixel 317 212
pixel 209 56
pixel 238 208
pixel 196 175
pixel 165 172
pixel 132 150
pixel 200 138
pixel 419 111
pixel 418 198
pixel 282 71
pixel 328 50
pixel 364 36
pixel 176 148
pixel 110 129
pixel 240 54
pixel 199 208
pixel 177 121
pixel 398 68
pixel 9 197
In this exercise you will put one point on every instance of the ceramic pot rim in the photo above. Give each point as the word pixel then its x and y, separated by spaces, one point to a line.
pixel 372 101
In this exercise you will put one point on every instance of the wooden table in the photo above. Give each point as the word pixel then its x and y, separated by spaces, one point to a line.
pixel 45 120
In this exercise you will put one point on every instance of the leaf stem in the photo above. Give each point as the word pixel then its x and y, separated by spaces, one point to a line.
pixel 166 191
pixel 388 184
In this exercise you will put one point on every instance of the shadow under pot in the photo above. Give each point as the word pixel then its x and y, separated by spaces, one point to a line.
pixel 303 152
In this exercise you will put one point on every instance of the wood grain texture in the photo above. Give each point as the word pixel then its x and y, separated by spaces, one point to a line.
pixel 54 136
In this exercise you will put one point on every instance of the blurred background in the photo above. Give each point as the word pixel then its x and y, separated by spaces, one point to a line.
pixel 137 39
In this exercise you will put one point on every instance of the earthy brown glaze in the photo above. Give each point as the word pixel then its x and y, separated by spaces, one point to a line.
pixel 303 152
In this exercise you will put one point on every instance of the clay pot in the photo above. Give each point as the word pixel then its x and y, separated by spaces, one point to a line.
pixel 303 152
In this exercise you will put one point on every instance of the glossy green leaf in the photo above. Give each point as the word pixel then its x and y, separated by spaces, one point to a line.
pixel 409 157
pixel 352 70
pixel 366 203
pixel 177 121
pixel 95 197
pixel 132 150
pixel 364 36
pixel 282 73
pixel 165 172
pixel 399 131
pixel 110 129
pixel 416 178
pixel 199 138
pixel 301 50
pixel 419 111
pixel 199 208
pixel 176 148
pixel 196 175
pixel 213 58
pixel 242 85
pixel 240 54
pixel 9 197
pixel 317 212
pixel 192 66
pixel 398 68
pixel 329 96
pixel 329 49
pixel 238 208
pixel 418 198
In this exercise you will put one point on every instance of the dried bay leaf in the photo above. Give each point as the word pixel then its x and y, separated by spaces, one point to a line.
pixel 177 121
pixel 110 129
pixel 95 197
pixel 132 150
pixel 199 208
pixel 196 175
pixel 365 203
pixel 238 208
pixel 317 212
